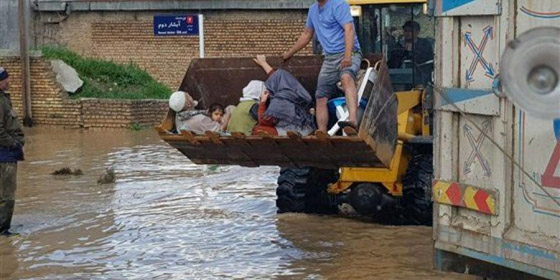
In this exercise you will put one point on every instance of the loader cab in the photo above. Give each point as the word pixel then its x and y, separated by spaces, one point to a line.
pixel 403 33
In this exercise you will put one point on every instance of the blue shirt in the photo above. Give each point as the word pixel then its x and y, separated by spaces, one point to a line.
pixel 328 22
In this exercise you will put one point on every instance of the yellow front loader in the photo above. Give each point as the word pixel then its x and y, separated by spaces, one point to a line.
pixel 399 193
pixel 384 172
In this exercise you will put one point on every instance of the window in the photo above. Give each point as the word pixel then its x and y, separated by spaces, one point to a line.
pixel 404 34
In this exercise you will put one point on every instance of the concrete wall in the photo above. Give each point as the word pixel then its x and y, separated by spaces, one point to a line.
pixel 9 25
pixel 127 36
pixel 9 35
pixel 146 5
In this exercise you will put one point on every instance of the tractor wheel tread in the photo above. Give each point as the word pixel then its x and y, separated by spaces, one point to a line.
pixel 417 190
pixel 304 190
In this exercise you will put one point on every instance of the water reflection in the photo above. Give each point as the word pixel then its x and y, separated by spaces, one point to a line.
pixel 168 218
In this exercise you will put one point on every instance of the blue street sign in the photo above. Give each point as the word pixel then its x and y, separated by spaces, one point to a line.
pixel 452 4
pixel 182 25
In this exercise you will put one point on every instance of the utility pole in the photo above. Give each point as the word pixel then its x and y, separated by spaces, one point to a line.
pixel 25 65
pixel 201 34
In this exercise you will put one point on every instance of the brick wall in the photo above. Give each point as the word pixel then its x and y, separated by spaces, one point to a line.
pixel 165 58
pixel 51 106
pixel 107 113
pixel 128 37
pixel 239 38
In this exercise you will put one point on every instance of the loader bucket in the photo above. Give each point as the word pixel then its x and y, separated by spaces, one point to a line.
pixel 222 80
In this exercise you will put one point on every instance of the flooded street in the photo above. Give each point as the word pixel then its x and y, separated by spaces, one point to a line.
pixel 167 218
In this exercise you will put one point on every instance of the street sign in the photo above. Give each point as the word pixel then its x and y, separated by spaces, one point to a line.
pixel 176 25
pixel 467 7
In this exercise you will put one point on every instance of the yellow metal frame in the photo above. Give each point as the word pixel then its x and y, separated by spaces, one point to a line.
pixel 410 124
pixel 389 177
pixel 425 117
pixel 377 2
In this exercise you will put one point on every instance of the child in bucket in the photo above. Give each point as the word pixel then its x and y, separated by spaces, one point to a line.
pixel 216 112
pixel 197 121
pixel 220 115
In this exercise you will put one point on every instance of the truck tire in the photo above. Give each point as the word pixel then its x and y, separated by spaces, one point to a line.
pixel 417 190
pixel 304 190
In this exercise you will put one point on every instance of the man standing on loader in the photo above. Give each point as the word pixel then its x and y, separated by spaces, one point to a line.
pixel 333 24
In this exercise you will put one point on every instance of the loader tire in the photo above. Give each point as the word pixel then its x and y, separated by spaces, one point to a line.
pixel 417 190
pixel 304 190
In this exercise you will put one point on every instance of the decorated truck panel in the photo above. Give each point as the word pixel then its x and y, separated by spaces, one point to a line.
pixel 491 217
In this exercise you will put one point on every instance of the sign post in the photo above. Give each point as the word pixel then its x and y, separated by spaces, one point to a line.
pixel 201 34
pixel 181 25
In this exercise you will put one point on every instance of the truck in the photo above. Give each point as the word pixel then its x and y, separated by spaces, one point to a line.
pixel 496 186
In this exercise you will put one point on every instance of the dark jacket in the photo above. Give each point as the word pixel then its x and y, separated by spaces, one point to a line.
pixel 11 134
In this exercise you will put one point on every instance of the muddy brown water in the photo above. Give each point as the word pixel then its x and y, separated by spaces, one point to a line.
pixel 166 218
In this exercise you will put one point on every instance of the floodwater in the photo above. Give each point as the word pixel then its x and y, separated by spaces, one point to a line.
pixel 166 218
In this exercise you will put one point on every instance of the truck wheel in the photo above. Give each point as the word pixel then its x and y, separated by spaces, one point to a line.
pixel 417 190
pixel 304 190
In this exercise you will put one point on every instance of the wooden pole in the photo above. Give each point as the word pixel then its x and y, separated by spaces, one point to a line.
pixel 25 65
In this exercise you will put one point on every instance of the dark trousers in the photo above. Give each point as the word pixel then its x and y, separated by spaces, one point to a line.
pixel 8 175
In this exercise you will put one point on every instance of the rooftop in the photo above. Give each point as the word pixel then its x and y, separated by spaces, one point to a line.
pixel 143 5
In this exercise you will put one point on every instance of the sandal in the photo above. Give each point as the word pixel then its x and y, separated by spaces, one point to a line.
pixel 349 128
pixel 344 124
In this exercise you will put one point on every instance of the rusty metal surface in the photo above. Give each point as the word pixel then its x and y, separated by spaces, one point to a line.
pixel 222 80
pixel 379 124
pixel 252 151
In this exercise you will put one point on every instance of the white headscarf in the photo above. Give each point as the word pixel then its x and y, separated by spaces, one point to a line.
pixel 253 90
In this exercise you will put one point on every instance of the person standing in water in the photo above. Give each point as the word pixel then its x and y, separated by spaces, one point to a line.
pixel 11 151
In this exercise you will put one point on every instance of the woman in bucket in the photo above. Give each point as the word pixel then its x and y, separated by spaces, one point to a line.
pixel 244 116
pixel 266 124
pixel 289 102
